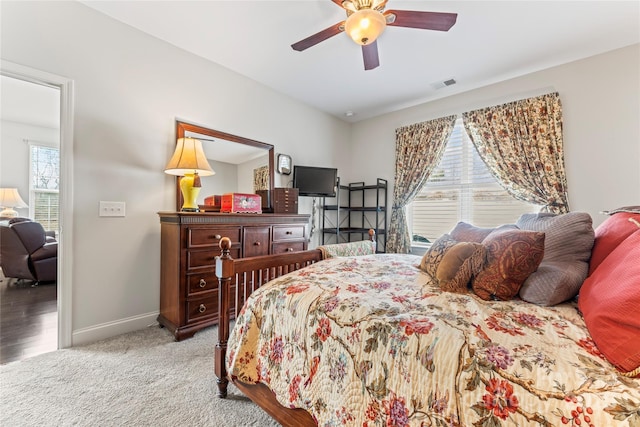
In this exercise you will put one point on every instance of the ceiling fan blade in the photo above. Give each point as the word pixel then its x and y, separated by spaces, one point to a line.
pixel 439 21
pixel 318 37
pixel 338 2
pixel 370 55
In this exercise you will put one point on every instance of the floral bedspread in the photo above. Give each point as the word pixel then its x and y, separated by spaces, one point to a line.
pixel 371 341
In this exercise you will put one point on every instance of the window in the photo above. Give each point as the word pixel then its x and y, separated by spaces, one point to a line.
pixel 44 185
pixel 461 188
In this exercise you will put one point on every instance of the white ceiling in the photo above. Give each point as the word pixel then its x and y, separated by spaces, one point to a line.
pixel 490 42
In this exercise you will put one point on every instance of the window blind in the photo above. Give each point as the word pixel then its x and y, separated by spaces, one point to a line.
pixel 44 186
pixel 461 188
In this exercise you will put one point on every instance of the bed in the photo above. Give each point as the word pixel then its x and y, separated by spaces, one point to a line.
pixel 373 340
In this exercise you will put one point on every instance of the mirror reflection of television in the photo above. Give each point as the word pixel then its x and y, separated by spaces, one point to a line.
pixel 315 181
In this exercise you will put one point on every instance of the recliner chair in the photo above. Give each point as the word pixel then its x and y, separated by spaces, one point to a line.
pixel 27 251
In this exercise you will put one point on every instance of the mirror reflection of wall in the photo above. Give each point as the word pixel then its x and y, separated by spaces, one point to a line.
pixel 224 181
pixel 234 166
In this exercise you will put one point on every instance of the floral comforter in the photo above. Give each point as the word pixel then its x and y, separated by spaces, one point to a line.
pixel 371 341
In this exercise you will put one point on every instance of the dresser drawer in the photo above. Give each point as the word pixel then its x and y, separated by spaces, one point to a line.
pixel 202 308
pixel 208 236
pixel 288 232
pixel 284 247
pixel 206 258
pixel 256 241
pixel 203 282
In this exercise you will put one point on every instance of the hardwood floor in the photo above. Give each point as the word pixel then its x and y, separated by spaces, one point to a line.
pixel 28 319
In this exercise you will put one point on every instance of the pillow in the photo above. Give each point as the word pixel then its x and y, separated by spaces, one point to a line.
pixel 459 263
pixel 635 209
pixel 464 232
pixel 434 254
pixel 512 255
pixel 609 301
pixel 567 248
pixel 610 234
pixel 361 247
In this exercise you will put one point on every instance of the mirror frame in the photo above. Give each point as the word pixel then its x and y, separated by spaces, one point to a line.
pixel 182 127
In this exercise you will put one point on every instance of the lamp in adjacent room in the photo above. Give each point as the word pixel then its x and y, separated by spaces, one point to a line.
pixel 9 199
pixel 189 162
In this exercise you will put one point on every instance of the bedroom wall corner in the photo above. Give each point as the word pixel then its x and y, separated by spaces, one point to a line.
pixel 601 106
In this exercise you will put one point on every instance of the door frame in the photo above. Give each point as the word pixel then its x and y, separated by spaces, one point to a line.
pixel 65 243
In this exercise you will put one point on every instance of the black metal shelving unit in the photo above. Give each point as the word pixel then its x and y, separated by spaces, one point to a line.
pixel 356 208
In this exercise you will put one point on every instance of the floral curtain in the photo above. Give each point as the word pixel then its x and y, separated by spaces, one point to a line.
pixel 521 144
pixel 419 148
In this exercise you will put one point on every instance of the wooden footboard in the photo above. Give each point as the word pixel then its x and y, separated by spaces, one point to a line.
pixel 238 278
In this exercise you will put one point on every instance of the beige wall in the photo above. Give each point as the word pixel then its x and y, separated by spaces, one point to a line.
pixel 601 105
pixel 129 90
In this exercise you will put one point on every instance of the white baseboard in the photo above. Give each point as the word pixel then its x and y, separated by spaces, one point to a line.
pixel 111 329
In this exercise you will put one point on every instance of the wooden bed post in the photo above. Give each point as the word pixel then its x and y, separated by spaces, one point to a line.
pixel 224 271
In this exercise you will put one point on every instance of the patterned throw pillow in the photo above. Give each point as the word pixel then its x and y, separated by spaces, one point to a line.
pixel 459 263
pixel 431 259
pixel 363 247
pixel 512 255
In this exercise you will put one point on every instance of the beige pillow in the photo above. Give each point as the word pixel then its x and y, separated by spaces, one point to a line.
pixel 459 263
pixel 434 254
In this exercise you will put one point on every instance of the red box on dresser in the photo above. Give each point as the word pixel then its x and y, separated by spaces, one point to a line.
pixel 241 203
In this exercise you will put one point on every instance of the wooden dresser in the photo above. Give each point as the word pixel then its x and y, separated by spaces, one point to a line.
pixel 189 245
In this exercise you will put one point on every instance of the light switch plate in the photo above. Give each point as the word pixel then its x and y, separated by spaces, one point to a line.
pixel 112 208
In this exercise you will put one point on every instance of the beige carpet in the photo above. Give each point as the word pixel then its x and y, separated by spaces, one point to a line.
pixel 143 378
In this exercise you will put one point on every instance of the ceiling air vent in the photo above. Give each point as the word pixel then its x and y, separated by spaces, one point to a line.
pixel 443 84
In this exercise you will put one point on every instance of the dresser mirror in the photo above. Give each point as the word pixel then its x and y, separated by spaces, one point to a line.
pixel 241 165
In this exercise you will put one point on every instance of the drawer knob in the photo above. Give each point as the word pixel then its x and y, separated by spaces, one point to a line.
pixel 203 283
pixel 202 308
pixel 289 232
pixel 217 237
pixel 257 243
pixel 289 249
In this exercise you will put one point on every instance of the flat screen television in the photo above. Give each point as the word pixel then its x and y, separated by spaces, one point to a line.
pixel 314 181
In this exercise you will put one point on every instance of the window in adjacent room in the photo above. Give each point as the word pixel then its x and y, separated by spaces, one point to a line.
pixel 461 188
pixel 44 185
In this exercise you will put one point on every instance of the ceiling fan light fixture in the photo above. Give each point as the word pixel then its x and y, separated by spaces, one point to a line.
pixel 365 26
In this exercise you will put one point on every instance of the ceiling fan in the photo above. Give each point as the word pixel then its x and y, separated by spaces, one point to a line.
pixel 366 20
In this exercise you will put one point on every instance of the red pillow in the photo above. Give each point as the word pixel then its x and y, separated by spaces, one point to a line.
pixel 609 235
pixel 609 300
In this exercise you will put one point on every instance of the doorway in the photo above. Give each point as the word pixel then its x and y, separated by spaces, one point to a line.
pixel 63 122
pixel 30 164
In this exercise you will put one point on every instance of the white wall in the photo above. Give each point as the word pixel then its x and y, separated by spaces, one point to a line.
pixel 224 181
pixel 601 106
pixel 129 90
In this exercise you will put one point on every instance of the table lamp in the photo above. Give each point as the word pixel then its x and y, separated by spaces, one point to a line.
pixel 9 199
pixel 189 162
